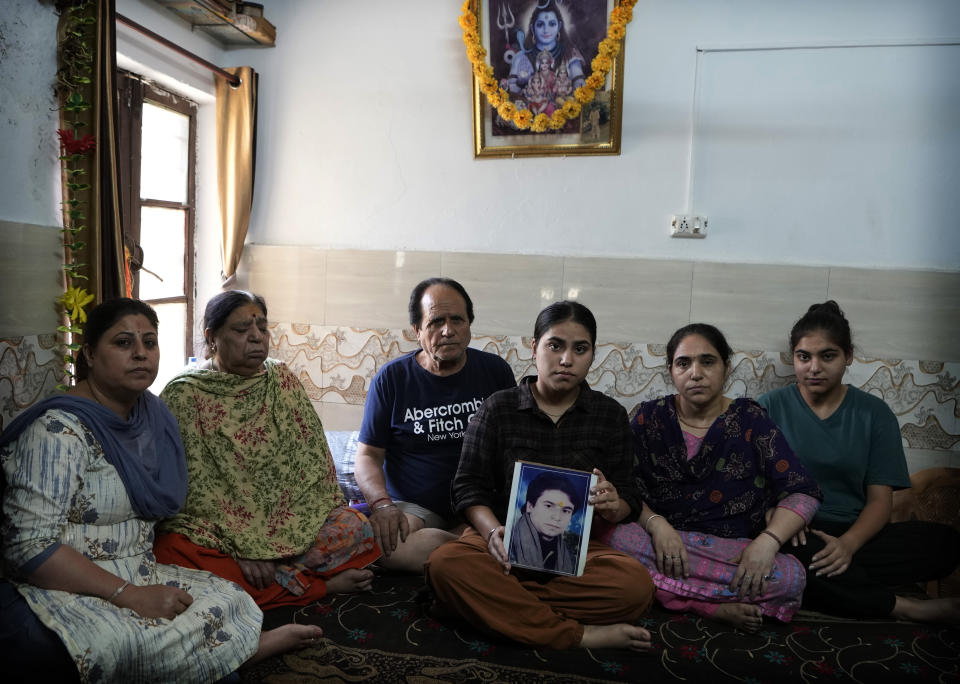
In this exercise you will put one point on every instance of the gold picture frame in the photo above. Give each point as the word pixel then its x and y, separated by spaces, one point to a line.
pixel 597 129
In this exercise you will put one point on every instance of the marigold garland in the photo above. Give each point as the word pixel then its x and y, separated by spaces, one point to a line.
pixel 607 50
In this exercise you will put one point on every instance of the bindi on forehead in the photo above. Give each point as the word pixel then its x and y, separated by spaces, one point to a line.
pixel 249 318
pixel 133 325
pixel 137 332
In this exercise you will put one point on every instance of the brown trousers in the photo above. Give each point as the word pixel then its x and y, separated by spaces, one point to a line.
pixel 534 608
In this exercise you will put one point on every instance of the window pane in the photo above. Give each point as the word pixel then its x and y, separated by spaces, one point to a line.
pixel 172 334
pixel 161 236
pixel 164 154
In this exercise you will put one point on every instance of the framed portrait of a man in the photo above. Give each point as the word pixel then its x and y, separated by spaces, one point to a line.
pixel 543 55
pixel 548 518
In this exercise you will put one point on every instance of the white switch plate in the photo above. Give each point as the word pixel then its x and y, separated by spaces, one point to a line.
pixel 688 226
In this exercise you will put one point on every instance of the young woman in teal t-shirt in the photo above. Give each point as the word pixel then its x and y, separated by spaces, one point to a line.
pixel 850 441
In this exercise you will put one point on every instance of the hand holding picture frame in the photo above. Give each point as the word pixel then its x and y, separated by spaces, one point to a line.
pixel 557 64
pixel 548 518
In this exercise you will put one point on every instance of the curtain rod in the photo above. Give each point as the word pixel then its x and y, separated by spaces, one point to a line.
pixel 231 79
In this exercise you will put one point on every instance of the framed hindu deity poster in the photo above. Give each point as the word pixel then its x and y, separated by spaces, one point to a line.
pixel 547 75
pixel 548 518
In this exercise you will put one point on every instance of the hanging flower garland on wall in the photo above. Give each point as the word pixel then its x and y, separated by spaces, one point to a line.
pixel 74 87
pixel 499 98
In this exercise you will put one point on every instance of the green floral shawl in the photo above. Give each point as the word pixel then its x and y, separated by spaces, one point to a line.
pixel 262 480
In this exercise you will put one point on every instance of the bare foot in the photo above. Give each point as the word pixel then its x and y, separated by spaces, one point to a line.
pixel 927 610
pixel 620 635
pixel 283 639
pixel 349 581
pixel 743 616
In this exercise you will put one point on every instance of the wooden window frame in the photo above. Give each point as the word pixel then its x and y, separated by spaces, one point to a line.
pixel 132 92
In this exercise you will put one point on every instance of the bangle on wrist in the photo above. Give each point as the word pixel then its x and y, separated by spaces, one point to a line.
pixel 492 532
pixel 775 537
pixel 382 498
pixel 386 505
pixel 116 593
pixel 647 521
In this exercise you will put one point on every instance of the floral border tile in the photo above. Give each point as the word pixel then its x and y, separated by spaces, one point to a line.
pixel 29 372
pixel 336 365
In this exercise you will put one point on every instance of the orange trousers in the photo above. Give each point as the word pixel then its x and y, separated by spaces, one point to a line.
pixel 176 549
pixel 532 607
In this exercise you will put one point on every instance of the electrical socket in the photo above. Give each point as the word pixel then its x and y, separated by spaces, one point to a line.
pixel 688 226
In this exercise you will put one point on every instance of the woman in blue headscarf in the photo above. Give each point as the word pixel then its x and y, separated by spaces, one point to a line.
pixel 85 477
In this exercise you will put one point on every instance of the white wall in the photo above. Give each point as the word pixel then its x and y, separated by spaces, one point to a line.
pixel 365 136
pixel 30 172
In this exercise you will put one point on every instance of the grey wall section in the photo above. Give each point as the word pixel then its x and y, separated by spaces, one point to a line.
pixel 895 314
pixel 809 146
pixel 30 278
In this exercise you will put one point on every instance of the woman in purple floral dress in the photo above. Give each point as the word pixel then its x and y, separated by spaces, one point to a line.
pixel 722 492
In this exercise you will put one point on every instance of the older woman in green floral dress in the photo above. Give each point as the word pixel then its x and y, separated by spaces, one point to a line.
pixel 264 508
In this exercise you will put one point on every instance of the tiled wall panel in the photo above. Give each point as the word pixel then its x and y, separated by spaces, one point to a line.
pixel 29 371
pixel 344 313
pixel 30 272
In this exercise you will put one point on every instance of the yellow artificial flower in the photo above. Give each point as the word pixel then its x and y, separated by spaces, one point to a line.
pixel 523 118
pixel 613 45
pixel 493 98
pixel 471 38
pixel 476 53
pixel 571 109
pixel 539 124
pixel 601 63
pixel 557 120
pixel 468 21
pixel 506 110
pixel 621 15
pixel 73 301
pixel 617 31
pixel 595 81
pixel 584 94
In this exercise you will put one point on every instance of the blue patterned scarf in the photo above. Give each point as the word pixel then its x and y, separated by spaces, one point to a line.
pixel 145 449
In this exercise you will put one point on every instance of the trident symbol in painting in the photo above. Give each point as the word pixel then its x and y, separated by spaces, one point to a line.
pixel 505 22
